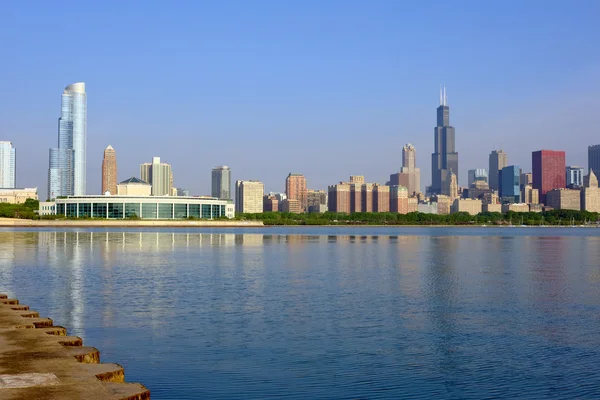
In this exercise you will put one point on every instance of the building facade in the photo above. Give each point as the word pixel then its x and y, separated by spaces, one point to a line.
pixel 548 171
pixel 291 206
pixel 594 159
pixel 470 206
pixel 526 178
pixel 574 177
pixel 590 194
pixel 511 184
pixel 338 197
pixel 295 189
pixel 564 199
pixel 221 182
pixel 134 187
pixel 109 171
pixel 399 199
pixel 410 175
pixel 444 159
pixel 144 207
pixel 270 203
pixel 67 162
pixel 529 195
pixel 317 200
pixel 249 196
pixel 17 196
pixel 159 175
pixel 381 198
pixel 475 175
pixel 8 165
pixel 498 160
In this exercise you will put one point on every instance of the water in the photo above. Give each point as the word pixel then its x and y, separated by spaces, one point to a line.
pixel 325 313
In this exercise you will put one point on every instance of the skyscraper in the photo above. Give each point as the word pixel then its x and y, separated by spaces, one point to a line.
pixel 109 171
pixel 295 189
pixel 159 175
pixel 249 196
pixel 221 182
pixel 594 159
pixel 548 171
pixel 67 169
pixel 497 162
pixel 574 177
pixel 511 184
pixel 410 175
pixel 8 169
pixel 479 174
pixel 444 159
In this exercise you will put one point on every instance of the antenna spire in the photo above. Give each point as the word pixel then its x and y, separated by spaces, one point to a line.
pixel 445 98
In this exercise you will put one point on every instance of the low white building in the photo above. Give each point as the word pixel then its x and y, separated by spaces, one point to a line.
pixel 17 196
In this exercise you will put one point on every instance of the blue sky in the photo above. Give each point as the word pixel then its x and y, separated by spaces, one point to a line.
pixel 325 88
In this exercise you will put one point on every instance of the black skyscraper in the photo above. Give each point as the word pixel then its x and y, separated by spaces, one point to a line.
pixel 445 158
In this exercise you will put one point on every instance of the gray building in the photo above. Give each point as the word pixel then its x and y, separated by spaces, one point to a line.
pixel 221 182
pixel 479 174
pixel 497 162
pixel 594 159
pixel 574 177
pixel 444 159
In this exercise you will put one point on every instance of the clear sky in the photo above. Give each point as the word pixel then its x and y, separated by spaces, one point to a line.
pixel 326 88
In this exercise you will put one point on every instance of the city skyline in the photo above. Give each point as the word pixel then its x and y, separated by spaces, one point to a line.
pixel 308 78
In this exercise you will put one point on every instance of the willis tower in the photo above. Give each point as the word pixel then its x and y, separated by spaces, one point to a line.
pixel 444 160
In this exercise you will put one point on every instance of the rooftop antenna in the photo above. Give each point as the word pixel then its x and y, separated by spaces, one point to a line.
pixel 441 96
pixel 445 103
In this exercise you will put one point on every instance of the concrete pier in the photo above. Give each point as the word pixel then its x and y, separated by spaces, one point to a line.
pixel 38 361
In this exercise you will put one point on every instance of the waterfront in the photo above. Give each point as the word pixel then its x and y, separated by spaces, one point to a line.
pixel 325 313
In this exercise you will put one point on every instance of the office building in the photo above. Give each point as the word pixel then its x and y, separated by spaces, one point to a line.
pixel 526 178
pixel 563 199
pixel 413 204
pixel 221 182
pixel 444 159
pixel 249 196
pixel 144 207
pixel 366 193
pixel 338 197
pixel 498 160
pixel 443 204
pixel 410 175
pixel 17 196
pixel 8 165
pixel 594 159
pixel 291 206
pixel 469 206
pixel 381 198
pixel 510 184
pixel 134 187
pixel 159 175
pixel 451 189
pixel 295 189
pixel 67 162
pixel 529 195
pixel 491 208
pixel 316 200
pixel 574 177
pixel 270 203
pixel 590 194
pixel 548 171
pixel 399 199
pixel 477 175
pixel 109 171
pixel 515 207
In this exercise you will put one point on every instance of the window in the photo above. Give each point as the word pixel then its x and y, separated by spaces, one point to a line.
pixel 60 209
pixel 195 210
pixel 205 210
pixel 71 210
pixel 85 209
pixel 165 211
pixel 180 210
pixel 149 210
pixel 99 210
pixel 216 211
pixel 115 210
pixel 132 210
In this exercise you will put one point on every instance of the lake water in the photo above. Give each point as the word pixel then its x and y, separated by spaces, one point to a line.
pixel 325 313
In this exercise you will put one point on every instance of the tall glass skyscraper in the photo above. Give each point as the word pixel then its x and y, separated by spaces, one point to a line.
pixel 67 170
pixel 444 160
pixel 221 182
pixel 7 165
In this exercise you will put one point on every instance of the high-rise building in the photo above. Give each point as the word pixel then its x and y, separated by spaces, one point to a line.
pixel 399 200
pixel 410 175
pixel 479 174
pixel 511 184
pixel 295 189
pixel 590 194
pixel 381 198
pixel 8 168
pixel 67 166
pixel 451 189
pixel 221 182
pixel 270 203
pixel 548 171
pixel 498 160
pixel 529 195
pixel 444 159
pixel 574 177
pixel 366 197
pixel 159 175
pixel 526 178
pixel 109 171
pixel 317 200
pixel 338 198
pixel 564 199
pixel 249 196
pixel 594 159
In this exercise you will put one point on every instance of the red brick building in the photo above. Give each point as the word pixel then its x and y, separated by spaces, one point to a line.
pixel 549 168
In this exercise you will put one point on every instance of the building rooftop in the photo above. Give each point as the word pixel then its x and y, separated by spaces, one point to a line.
pixel 133 179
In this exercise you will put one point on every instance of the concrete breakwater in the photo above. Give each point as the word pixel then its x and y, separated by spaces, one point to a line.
pixel 39 361
pixel 14 222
